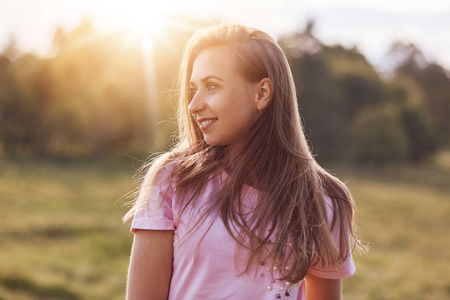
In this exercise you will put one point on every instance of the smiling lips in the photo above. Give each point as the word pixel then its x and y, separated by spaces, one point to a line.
pixel 205 123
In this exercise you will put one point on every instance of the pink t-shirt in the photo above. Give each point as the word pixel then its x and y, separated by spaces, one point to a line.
pixel 204 259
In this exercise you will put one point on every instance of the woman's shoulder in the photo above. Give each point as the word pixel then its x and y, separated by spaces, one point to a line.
pixel 331 209
pixel 328 201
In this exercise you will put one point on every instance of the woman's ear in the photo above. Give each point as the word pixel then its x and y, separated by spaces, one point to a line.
pixel 264 93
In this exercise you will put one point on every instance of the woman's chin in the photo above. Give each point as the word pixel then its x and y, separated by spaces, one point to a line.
pixel 212 142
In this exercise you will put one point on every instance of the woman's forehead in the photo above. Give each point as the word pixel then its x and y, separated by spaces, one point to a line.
pixel 218 61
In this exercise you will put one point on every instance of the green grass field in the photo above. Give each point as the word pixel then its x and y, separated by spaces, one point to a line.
pixel 61 236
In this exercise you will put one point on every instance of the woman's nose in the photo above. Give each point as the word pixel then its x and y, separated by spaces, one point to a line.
pixel 197 104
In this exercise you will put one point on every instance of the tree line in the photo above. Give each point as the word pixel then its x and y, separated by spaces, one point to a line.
pixel 92 98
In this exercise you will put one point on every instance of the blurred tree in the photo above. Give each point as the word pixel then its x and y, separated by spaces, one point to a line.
pixel 319 99
pixel 377 135
pixel 11 50
pixel 409 98
pixel 60 40
pixel 90 98
pixel 22 129
pixel 435 85
pixel 360 92
pixel 318 94
pixel 334 85
pixel 6 79
pixel 341 96
pixel 99 95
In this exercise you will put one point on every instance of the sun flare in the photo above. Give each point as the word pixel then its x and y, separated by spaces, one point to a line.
pixel 144 19
pixel 145 24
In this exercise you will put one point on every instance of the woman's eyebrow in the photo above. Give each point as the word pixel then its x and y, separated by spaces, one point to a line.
pixel 205 79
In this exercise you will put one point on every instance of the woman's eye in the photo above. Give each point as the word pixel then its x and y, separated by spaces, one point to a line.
pixel 211 86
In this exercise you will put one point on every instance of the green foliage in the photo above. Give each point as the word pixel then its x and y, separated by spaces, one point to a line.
pixel 93 97
pixel 377 135
pixel 344 62
pixel 22 128
pixel 352 113
pixel 319 102
pixel 360 92
pixel 435 86
pixel 408 97
pixel 103 95
pixel 335 86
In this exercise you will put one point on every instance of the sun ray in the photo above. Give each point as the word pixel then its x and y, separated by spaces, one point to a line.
pixel 147 24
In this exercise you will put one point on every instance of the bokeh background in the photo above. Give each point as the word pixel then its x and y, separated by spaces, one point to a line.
pixel 88 90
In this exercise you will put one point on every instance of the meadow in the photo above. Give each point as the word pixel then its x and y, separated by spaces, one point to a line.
pixel 61 236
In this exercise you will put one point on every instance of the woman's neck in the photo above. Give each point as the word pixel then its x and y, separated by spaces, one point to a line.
pixel 234 160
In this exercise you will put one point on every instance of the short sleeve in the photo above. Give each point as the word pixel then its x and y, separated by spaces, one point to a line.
pixel 347 268
pixel 158 213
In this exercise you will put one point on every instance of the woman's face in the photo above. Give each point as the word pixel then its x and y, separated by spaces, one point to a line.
pixel 224 104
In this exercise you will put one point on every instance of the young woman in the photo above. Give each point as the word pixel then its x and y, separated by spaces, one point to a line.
pixel 239 209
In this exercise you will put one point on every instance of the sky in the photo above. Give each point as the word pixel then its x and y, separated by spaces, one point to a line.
pixel 370 25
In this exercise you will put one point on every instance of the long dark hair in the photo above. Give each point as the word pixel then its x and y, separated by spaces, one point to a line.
pixel 291 215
